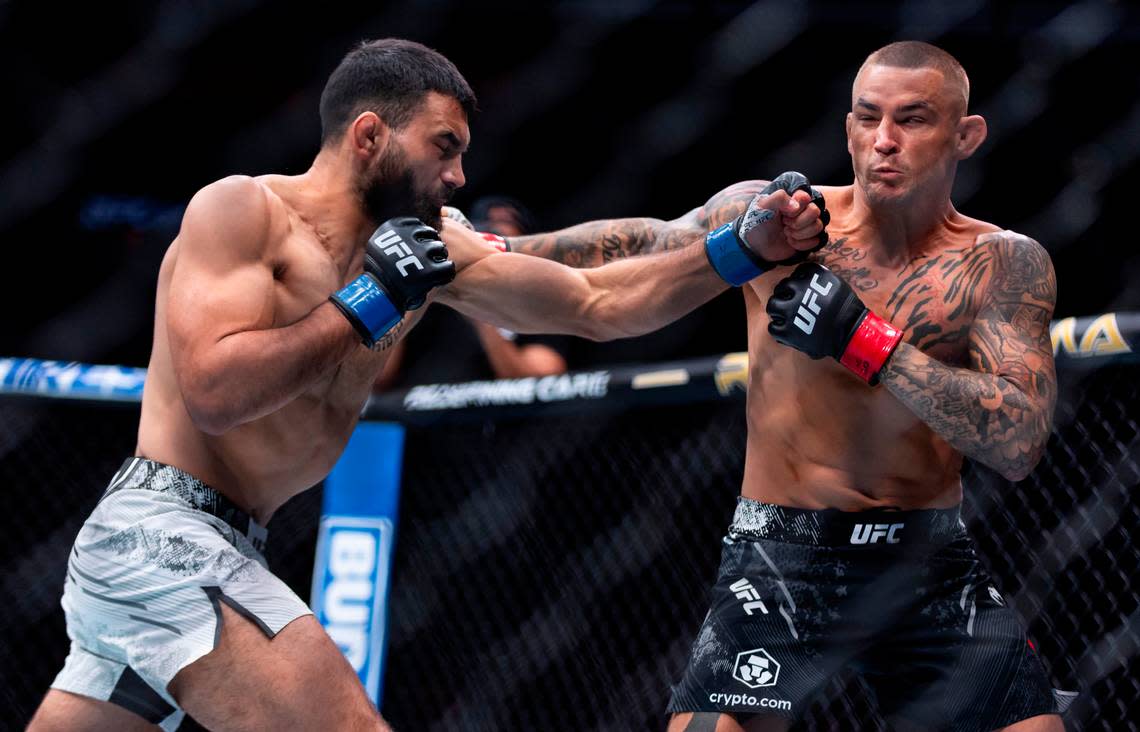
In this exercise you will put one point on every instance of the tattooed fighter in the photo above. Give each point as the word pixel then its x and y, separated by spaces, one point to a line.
pixel 916 336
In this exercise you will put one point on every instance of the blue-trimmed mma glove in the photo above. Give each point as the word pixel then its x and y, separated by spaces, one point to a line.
pixel 403 260
pixel 732 249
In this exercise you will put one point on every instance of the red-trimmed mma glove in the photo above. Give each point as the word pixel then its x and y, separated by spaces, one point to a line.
pixel 460 218
pixel 814 311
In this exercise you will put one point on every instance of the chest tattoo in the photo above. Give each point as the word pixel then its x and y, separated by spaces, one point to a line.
pixel 933 298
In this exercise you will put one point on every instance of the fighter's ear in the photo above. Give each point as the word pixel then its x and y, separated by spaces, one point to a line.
pixel 368 134
pixel 971 133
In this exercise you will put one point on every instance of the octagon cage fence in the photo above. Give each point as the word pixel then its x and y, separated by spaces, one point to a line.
pixel 558 537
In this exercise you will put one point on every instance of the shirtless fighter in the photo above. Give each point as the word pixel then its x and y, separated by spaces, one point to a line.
pixel 256 379
pixel 916 336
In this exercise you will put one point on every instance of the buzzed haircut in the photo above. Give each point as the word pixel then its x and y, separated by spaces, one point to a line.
pixel 920 55
pixel 390 77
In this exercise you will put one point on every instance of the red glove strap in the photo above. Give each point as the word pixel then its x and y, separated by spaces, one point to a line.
pixel 869 348
pixel 494 240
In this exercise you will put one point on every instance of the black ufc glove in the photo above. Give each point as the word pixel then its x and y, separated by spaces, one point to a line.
pixel 814 311
pixel 403 260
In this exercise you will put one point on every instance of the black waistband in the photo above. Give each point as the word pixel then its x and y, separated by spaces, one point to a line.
pixel 145 474
pixel 830 527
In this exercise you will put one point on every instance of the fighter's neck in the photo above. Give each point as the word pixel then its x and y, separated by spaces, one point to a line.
pixel 895 234
pixel 325 198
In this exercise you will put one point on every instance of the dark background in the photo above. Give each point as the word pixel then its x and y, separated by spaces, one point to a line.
pixel 535 585
pixel 115 114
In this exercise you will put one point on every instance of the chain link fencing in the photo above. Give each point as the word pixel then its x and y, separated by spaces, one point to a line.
pixel 551 572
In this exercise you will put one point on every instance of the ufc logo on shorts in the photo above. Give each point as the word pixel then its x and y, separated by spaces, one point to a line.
pixel 871 533
pixel 809 305
pixel 745 591
pixel 393 246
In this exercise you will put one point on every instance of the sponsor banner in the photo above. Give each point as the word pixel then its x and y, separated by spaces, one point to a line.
pixel 1093 341
pixel 71 380
pixel 531 390
pixel 731 374
pixel 677 382
pixel 354 548
pixel 351 589
pixel 1111 334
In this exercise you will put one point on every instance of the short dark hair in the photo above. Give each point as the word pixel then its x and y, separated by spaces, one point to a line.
pixel 391 77
pixel 920 55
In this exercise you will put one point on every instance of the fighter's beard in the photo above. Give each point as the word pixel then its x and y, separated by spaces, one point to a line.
pixel 393 193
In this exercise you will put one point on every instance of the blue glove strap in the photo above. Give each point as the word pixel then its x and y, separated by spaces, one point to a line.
pixel 727 256
pixel 371 306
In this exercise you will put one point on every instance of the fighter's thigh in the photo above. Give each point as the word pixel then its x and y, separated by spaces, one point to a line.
pixel 720 722
pixel 62 710
pixel 298 679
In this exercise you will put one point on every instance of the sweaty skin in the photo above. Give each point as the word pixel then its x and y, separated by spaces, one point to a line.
pixel 820 438
pixel 974 375
pixel 256 381
pixel 975 372
pixel 261 462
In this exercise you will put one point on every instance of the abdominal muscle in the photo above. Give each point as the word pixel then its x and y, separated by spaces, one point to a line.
pixel 819 437
pixel 261 464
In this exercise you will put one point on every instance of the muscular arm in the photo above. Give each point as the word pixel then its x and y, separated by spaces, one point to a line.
pixel 599 242
pixel 232 362
pixel 625 298
pixel 1000 411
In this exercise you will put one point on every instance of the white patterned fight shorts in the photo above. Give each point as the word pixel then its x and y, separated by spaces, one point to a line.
pixel 145 582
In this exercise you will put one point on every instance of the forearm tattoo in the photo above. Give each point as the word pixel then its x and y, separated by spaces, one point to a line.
pixel 1000 410
pixel 598 242
pixel 389 339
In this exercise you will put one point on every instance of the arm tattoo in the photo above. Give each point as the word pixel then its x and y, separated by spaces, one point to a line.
pixel 598 242
pixel 1000 410
pixel 389 339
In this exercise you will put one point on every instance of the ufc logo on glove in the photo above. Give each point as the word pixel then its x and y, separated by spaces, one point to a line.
pixel 809 305
pixel 392 245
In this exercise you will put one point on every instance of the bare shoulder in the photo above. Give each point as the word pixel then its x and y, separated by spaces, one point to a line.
pixel 838 199
pixel 1022 271
pixel 994 235
pixel 838 193
pixel 237 194
pixel 1018 258
pixel 229 218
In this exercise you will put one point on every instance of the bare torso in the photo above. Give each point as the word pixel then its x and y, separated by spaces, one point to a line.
pixel 262 463
pixel 818 437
